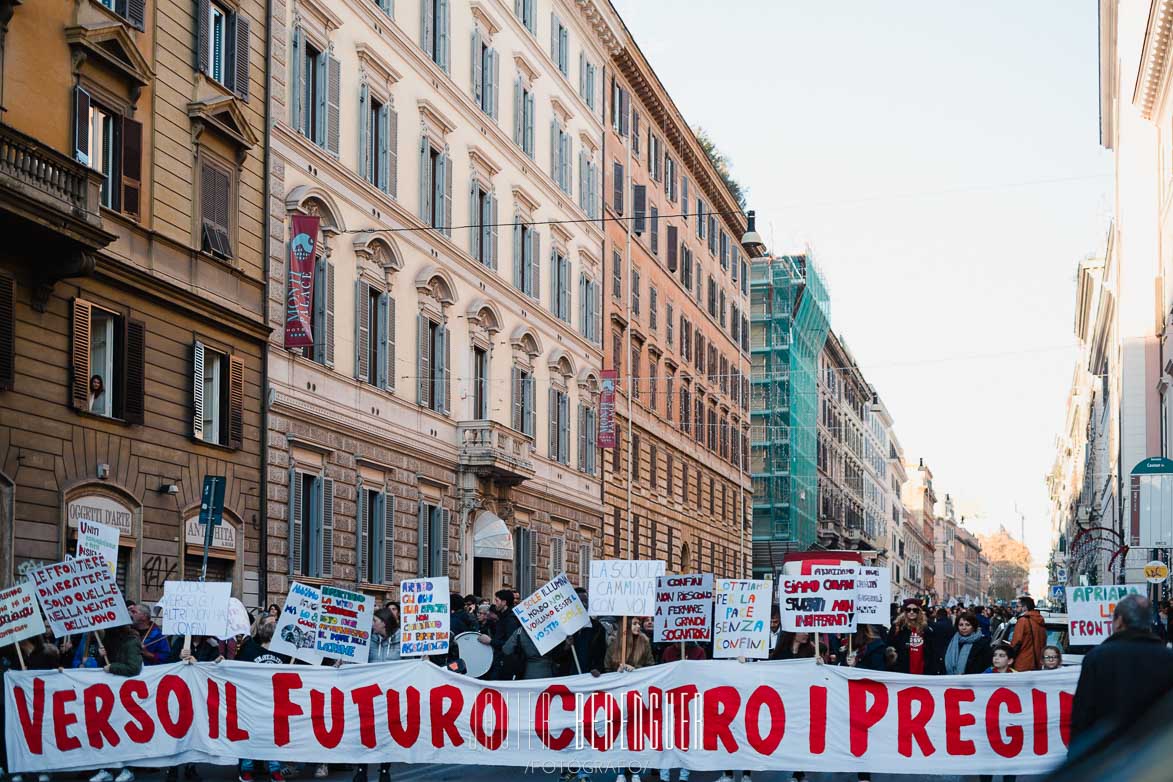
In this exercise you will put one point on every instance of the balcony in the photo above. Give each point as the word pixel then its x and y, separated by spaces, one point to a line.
pixel 50 211
pixel 495 451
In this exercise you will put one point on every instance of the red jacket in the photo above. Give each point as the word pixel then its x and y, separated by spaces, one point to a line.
pixel 1030 636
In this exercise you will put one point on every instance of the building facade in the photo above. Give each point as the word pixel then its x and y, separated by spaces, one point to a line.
pixel 945 564
pixel 920 500
pixel 132 285
pixel 789 318
pixel 443 421
pixel 676 485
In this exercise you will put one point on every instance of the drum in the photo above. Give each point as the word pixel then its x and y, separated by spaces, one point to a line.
pixel 478 657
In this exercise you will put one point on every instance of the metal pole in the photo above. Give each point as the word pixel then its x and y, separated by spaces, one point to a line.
pixel 632 548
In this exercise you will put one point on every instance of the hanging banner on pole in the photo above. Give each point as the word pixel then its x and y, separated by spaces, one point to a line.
pixel 302 252
pixel 741 623
pixel 20 617
pixel 552 614
pixel 425 605
pixel 607 379
pixel 684 608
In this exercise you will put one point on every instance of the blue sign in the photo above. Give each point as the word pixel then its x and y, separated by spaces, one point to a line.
pixel 212 502
pixel 1056 591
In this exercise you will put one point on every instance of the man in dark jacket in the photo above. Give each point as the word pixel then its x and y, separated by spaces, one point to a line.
pixel 938 641
pixel 1121 678
pixel 507 622
pixel 590 643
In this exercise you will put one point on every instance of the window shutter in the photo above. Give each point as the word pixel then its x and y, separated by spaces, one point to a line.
pixel 518 100
pixel 617 199
pixel 197 390
pixel 518 259
pixel 557 556
pixel 362 331
pixel 529 126
pixel 203 34
pixel 136 13
pixel 446 374
pixel 672 248
pixel 132 163
pixel 581 421
pixel 442 32
pixel 554 297
pixel 442 542
pixel 361 533
pixel 333 103
pixel 671 530
pixel 8 333
pixel 535 262
pixel 423 365
pixel 391 140
pixel 423 544
pixel 495 83
pixel 527 390
pixel 81 125
pixel 639 208
pixel 297 80
pixel 553 46
pixel 684 198
pixel 364 134
pixel 493 233
pixel 427 27
pixel 554 150
pixel 380 374
pixel 515 390
pixel 240 56
pixel 329 314
pixel 296 519
pixel 583 305
pixel 446 163
pixel 235 402
pixel 477 66
pixel 552 413
pixel 564 428
pixel 475 220
pixel 388 537
pixel 80 355
pixel 624 111
pixel 327 564
pixel 135 379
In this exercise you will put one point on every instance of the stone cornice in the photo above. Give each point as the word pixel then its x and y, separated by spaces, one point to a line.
pixel 1154 61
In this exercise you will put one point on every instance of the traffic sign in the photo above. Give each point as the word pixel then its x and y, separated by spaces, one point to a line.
pixel 1061 574
pixel 1057 592
pixel 212 502
pixel 1156 572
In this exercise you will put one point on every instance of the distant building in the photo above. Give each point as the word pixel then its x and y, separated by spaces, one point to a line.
pixel 919 499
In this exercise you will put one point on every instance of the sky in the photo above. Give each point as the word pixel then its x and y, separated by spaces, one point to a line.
pixel 941 159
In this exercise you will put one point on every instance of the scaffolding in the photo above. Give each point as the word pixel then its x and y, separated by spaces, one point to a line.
pixel 789 320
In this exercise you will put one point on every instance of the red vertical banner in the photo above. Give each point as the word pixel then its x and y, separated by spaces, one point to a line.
pixel 302 252
pixel 607 408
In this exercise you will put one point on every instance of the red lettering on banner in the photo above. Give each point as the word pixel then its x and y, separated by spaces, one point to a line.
pixel 645 721
pixel 955 720
pixel 141 728
pixel 862 716
pixel 98 703
pixel 1038 700
pixel 910 726
pixel 178 727
pixel 542 716
pixel 680 699
pixel 213 710
pixel 405 732
pixel 818 726
pixel 1065 700
pixel 283 706
pixel 1015 735
pixel 232 729
pixel 719 706
pixel 776 710
pixel 443 718
pixel 329 737
pixel 30 724
pixel 364 698
pixel 610 720
pixel 490 699
pixel 63 719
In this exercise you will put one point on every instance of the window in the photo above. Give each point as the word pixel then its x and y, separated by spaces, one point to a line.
pixel 523 401
pixel 588 446
pixel 587 73
pixel 670 178
pixel 222 44
pixel 724 250
pixel 617 354
pixel 559 44
pixel 561 146
pixel 685 409
pixel 486 74
pixel 736 263
pixel 700 219
pixel 653 470
pixel 559 433
pixel 432 535
pixel 215 211
pixel 378 126
pixel 217 397
pixel 311 548
pixel 524 557
pixel 616 275
pixel 712 298
pixel 434 31
pixel 435 187
pixel 712 234
pixel 684 493
pixel 636 456
pixel 669 324
pixel 635 132
pixel 619 187
pixel 217 32
pixel 655 153
pixel 652 307
pixel 685 339
pixel 482 213
pixel 589 308
pixel 635 292
pixel 721 307
pixel 129 10
pixel 669 390
pixel 620 108
pixel 635 367
pixel 527 244
pixel 686 267
pixel 375 522
pixel 527 14
pixel 322 310
pixel 655 224
pixel 559 285
pixel 317 88
pixel 588 185
pixel 433 365
pixel 374 340
pixel 480 384
pixel 744 281
pixel 523 117
pixel 107 363
pixel 110 144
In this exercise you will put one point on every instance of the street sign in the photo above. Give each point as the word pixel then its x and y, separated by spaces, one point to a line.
pixel 212 502
pixel 1156 572
pixel 1057 592
pixel 1151 504
pixel 1061 574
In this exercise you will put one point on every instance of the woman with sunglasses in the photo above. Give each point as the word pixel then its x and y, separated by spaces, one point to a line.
pixel 909 637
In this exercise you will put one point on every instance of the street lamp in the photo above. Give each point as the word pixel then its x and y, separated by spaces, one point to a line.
pixel 751 240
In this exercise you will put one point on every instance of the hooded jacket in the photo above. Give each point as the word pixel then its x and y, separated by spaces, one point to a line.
pixel 1118 682
pixel 1029 638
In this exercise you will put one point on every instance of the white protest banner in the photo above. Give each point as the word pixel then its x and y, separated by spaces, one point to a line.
pixel 296 633
pixel 344 624
pixel 95 539
pixel 79 595
pixel 873 594
pixel 823 601
pixel 238 623
pixel 425 606
pixel 761 717
pixel 20 617
pixel 623 587
pixel 1089 611
pixel 552 614
pixel 684 608
pixel 196 608
pixel 741 618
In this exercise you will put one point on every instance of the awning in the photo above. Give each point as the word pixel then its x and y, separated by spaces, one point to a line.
pixel 491 537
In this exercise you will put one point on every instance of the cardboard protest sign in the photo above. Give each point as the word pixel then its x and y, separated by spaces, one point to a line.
pixel 95 539
pixel 79 595
pixel 741 620
pixel 196 608
pixel 425 609
pixel 684 608
pixel 238 623
pixel 552 614
pixel 1089 611
pixel 344 624
pixel 296 633
pixel 823 601
pixel 873 594
pixel 623 587
pixel 20 617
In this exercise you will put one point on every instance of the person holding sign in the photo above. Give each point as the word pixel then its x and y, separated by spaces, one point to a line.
pixel 123 651
pixel 909 637
pixel 155 647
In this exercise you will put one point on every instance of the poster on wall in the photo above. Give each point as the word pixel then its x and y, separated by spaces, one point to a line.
pixel 296 634
pixel 424 605
pixel 607 380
